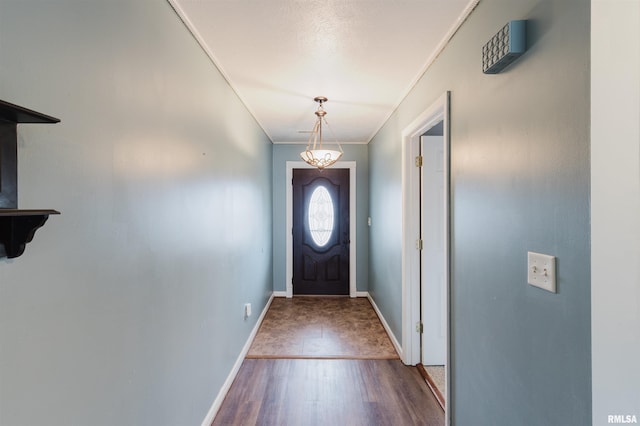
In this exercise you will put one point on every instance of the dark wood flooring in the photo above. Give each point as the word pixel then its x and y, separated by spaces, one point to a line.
pixel 310 392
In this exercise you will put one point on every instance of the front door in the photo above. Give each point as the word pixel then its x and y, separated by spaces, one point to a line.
pixel 321 231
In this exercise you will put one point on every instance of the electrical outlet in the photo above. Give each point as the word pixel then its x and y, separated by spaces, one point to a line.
pixel 541 271
pixel 247 310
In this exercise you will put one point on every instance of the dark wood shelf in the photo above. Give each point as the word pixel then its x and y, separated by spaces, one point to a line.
pixel 17 226
pixel 17 114
pixel 27 212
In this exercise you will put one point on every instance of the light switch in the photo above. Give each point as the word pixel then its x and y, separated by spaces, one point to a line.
pixel 541 271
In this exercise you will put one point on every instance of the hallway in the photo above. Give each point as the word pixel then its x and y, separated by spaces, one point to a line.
pixel 342 378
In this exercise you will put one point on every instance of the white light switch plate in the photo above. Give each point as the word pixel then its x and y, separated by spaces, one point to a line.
pixel 541 271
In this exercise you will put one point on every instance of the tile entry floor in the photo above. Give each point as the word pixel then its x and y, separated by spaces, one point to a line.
pixel 322 327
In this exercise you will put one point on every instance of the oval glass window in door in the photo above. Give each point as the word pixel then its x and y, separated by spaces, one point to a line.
pixel 320 216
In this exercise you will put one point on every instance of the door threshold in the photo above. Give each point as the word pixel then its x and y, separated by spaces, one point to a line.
pixel 432 385
pixel 320 295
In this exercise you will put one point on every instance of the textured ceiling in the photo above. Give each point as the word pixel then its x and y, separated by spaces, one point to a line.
pixel 364 55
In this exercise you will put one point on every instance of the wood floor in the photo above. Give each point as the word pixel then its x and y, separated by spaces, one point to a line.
pixel 309 392
pixel 313 392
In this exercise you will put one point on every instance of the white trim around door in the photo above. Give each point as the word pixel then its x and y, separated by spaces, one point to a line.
pixel 351 165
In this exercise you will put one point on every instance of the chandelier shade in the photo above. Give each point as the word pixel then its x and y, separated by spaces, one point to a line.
pixel 315 154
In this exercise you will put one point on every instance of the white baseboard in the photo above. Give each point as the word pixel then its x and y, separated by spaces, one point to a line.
pixel 284 294
pixel 392 337
pixel 236 367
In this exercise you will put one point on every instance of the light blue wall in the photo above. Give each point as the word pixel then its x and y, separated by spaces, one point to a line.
pixel 127 308
pixel 283 153
pixel 520 181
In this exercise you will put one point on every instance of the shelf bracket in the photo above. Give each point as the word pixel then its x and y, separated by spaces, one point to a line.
pixel 16 231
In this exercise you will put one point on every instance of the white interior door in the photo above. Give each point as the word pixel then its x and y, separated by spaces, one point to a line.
pixel 433 259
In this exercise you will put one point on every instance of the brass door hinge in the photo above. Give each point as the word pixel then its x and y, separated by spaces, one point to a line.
pixel 419 244
pixel 419 327
pixel 419 161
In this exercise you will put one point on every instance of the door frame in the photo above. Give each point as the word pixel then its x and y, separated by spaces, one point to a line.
pixel 411 315
pixel 351 165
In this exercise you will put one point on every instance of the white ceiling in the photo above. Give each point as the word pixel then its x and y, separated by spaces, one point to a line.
pixel 363 55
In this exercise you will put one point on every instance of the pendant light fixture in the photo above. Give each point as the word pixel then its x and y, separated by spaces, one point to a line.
pixel 315 154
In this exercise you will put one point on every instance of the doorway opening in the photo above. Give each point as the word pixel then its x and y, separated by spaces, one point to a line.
pixel 426 241
pixel 351 239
